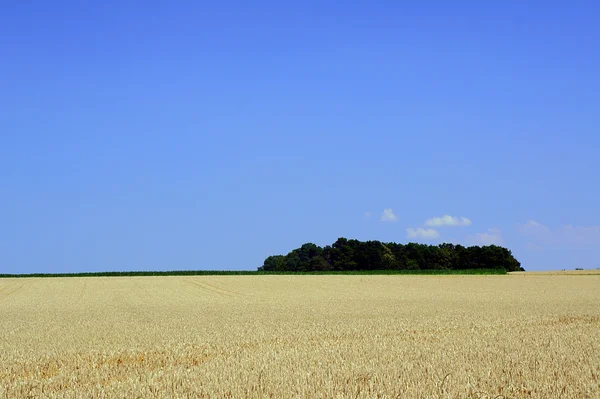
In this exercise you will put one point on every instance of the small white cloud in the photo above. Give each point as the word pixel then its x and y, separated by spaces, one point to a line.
pixel 532 225
pixel 561 237
pixel 388 215
pixel 491 237
pixel 421 233
pixel 534 247
pixel 582 231
pixel 448 220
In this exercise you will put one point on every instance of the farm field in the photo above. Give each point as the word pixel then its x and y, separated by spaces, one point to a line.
pixel 514 336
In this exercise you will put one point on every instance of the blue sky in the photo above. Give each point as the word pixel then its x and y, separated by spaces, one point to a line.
pixel 209 135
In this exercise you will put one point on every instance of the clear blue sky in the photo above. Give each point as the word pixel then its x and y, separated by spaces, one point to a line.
pixel 195 135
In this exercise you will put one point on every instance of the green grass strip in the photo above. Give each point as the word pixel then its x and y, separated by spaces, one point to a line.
pixel 256 273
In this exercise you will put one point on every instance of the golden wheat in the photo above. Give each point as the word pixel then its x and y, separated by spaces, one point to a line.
pixel 516 336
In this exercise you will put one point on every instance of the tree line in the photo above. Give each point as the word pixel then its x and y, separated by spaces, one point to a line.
pixel 354 255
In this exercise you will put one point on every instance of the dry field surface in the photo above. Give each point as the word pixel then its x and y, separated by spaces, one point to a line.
pixel 515 336
pixel 561 273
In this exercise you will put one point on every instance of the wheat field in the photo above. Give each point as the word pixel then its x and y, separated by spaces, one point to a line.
pixel 514 336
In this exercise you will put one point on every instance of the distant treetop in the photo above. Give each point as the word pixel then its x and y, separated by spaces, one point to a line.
pixel 351 255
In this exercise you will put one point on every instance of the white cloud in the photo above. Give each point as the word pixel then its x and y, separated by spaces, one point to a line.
pixel 421 233
pixel 582 232
pixel 532 225
pixel 534 247
pixel 568 236
pixel 448 220
pixel 388 215
pixel 491 237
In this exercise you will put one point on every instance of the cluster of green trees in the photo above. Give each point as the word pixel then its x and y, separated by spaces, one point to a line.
pixel 349 255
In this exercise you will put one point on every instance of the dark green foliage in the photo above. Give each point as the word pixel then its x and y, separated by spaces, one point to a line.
pixel 356 257
pixel 275 262
pixel 352 255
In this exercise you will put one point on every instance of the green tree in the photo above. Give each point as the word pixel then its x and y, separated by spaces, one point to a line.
pixel 274 263
pixel 347 255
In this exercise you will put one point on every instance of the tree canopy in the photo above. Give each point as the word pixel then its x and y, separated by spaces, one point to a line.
pixel 352 255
